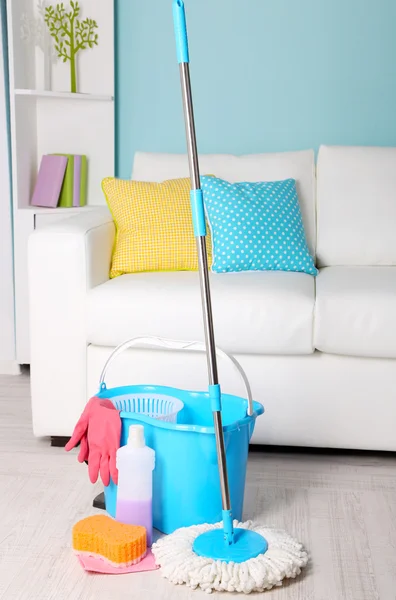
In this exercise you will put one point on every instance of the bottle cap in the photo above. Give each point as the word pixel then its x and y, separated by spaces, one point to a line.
pixel 136 436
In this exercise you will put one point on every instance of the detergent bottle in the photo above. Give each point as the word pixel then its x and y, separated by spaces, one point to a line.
pixel 135 463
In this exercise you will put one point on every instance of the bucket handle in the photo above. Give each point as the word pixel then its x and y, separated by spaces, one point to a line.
pixel 177 345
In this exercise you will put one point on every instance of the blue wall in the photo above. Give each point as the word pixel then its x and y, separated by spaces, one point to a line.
pixel 267 75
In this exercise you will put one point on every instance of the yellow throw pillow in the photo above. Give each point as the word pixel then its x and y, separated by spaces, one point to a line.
pixel 154 230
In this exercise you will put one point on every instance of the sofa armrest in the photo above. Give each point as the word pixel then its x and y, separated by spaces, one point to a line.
pixel 65 260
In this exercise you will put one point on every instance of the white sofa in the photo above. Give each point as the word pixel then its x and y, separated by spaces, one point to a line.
pixel 320 353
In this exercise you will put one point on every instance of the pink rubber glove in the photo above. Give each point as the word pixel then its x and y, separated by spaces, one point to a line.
pixel 80 433
pixel 99 433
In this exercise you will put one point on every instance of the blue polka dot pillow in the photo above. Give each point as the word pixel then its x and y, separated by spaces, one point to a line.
pixel 256 226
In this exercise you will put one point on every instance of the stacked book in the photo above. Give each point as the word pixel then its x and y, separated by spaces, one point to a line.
pixel 61 181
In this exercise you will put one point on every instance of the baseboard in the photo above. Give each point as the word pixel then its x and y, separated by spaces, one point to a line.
pixel 59 441
pixel 257 448
pixel 9 367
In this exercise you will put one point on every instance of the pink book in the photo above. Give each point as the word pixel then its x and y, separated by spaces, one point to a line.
pixel 49 181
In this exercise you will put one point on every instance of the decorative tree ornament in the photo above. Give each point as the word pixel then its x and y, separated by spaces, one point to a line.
pixel 70 34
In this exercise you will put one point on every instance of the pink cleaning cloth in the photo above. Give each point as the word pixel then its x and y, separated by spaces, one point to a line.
pixel 100 565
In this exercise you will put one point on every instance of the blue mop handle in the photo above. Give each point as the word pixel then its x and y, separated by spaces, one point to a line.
pixel 198 215
pixel 196 195
pixel 179 20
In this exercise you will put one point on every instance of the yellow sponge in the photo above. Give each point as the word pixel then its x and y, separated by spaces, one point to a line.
pixel 102 537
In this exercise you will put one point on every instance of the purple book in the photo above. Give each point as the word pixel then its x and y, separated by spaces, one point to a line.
pixel 77 180
pixel 49 181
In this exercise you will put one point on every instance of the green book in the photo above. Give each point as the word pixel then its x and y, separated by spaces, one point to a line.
pixel 66 195
pixel 74 188
pixel 83 180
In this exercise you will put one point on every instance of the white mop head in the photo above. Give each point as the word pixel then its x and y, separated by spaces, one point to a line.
pixel 285 557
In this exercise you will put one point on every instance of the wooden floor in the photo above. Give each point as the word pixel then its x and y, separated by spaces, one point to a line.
pixel 342 508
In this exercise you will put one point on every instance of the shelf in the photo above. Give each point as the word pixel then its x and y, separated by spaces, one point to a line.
pixel 50 211
pixel 64 95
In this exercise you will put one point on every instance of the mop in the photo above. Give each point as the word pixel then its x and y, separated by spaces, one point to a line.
pixel 228 556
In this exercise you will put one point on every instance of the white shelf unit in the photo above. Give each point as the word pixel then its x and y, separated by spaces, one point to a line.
pixel 46 121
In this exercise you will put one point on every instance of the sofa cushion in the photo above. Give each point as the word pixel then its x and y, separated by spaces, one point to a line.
pixel 256 226
pixel 300 166
pixel 356 205
pixel 356 311
pixel 255 312
pixel 154 229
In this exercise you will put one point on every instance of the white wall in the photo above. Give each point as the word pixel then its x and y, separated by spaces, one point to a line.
pixel 7 328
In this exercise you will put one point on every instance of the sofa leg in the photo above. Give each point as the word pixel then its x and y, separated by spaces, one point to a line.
pixel 59 441
pixel 99 502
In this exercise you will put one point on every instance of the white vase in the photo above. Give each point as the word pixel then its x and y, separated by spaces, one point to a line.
pixel 47 71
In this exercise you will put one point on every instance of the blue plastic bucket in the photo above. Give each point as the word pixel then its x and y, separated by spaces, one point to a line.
pixel 186 484
pixel 186 488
